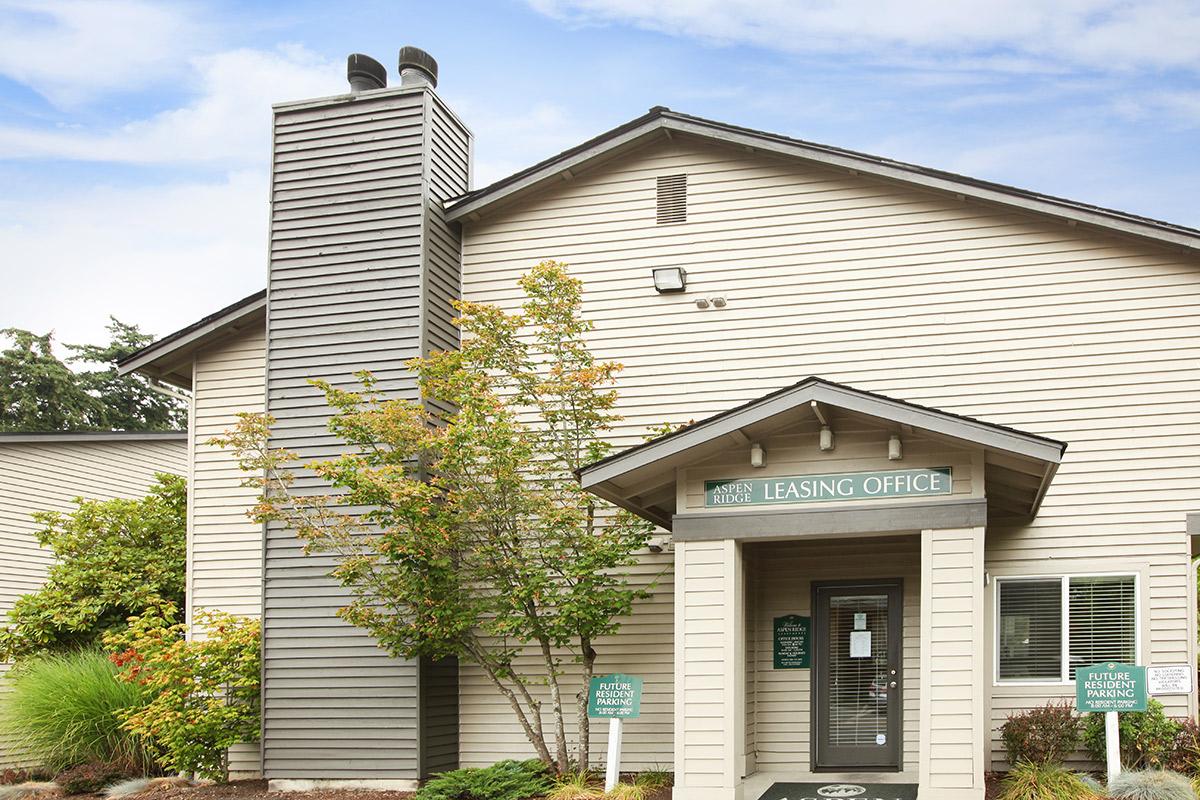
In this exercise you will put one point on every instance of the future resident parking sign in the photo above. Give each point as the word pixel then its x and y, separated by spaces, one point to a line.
pixel 1110 687
pixel 614 697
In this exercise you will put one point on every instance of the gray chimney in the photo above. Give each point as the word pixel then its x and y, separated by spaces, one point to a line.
pixel 417 68
pixel 365 73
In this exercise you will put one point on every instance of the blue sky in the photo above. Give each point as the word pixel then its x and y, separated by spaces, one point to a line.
pixel 134 135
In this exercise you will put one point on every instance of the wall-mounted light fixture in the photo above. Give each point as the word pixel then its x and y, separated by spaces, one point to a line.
pixel 895 453
pixel 670 279
pixel 758 458
pixel 826 441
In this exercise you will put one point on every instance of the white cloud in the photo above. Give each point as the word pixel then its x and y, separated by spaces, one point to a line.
pixel 227 122
pixel 159 256
pixel 69 51
pixel 1006 35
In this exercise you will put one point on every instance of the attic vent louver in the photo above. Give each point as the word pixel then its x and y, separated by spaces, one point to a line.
pixel 672 199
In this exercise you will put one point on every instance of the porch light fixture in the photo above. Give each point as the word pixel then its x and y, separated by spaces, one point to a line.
pixel 895 453
pixel 826 438
pixel 669 280
pixel 757 457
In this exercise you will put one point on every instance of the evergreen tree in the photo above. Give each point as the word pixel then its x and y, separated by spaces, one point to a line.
pixel 38 392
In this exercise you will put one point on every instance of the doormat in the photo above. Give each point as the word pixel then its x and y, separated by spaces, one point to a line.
pixel 841 790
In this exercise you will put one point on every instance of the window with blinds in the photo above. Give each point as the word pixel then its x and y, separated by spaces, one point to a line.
pixel 1102 613
pixel 1030 645
pixel 1038 642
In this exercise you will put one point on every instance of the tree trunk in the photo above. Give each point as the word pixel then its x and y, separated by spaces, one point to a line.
pixel 560 728
pixel 533 731
pixel 588 657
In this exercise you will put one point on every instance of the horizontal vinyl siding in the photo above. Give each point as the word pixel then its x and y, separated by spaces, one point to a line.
pixel 704 725
pixel 48 476
pixel 969 308
pixel 352 184
pixel 225 546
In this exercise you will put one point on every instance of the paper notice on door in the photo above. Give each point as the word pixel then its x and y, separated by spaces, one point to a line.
pixel 880 739
pixel 860 621
pixel 860 644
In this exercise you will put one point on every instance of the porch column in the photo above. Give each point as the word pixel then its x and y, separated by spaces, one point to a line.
pixel 953 716
pixel 710 664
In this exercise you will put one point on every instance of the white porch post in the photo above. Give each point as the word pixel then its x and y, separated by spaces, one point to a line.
pixel 710 680
pixel 953 673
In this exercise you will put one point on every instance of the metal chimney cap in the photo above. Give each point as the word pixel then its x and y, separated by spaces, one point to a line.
pixel 416 58
pixel 365 73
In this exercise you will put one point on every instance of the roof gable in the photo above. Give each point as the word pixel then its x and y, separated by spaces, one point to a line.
pixel 1020 464
pixel 661 121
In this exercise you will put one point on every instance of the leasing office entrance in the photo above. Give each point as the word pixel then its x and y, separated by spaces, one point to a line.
pixel 827 502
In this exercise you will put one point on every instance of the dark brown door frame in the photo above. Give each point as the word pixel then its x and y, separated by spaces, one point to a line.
pixel 820 639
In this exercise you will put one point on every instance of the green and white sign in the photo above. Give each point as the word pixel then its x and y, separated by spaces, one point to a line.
pixel 1110 687
pixel 793 648
pixel 826 488
pixel 614 697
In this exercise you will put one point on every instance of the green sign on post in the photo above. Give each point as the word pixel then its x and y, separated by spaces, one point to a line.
pixel 1110 687
pixel 614 697
pixel 826 488
pixel 792 642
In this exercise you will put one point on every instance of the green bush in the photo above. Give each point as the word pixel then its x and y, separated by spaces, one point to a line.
pixel 65 710
pixel 1151 784
pixel 1147 737
pixel 504 780
pixel 1044 735
pixel 90 778
pixel 1029 781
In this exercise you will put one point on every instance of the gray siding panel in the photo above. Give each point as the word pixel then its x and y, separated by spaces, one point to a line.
pixel 354 201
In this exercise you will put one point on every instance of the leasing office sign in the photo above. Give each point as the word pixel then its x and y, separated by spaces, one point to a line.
pixel 825 488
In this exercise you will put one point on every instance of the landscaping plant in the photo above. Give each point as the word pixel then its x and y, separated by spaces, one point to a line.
pixel 1185 752
pixel 1147 737
pixel 576 785
pixel 203 692
pixel 90 778
pixel 65 709
pixel 1151 784
pixel 504 780
pixel 480 494
pixel 1044 735
pixel 112 559
pixel 1029 781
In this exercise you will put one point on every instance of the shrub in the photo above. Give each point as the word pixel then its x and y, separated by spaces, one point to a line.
pixel 1044 735
pixel 653 779
pixel 1029 781
pixel 1185 753
pixel 1147 737
pixel 504 780
pixel 9 777
pixel 65 709
pixel 203 692
pixel 90 778
pixel 1151 784
pixel 112 559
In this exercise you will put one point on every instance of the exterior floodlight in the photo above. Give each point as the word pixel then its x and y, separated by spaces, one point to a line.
pixel 757 457
pixel 670 279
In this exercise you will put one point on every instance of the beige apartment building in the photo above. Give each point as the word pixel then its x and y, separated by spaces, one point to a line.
pixel 946 448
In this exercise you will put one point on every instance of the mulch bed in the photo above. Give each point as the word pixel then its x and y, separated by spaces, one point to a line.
pixel 257 790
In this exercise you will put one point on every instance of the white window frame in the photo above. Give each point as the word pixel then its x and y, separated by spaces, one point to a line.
pixel 1065 579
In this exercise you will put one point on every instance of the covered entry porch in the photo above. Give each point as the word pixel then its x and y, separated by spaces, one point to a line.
pixel 853 525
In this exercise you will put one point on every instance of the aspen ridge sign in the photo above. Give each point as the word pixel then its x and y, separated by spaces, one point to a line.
pixel 826 488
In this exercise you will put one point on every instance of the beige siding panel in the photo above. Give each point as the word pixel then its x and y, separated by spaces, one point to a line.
pixel 952 668
pixel 48 476
pixel 973 309
pixel 224 545
pixel 779 581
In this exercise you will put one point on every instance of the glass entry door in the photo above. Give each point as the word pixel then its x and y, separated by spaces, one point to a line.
pixel 856 676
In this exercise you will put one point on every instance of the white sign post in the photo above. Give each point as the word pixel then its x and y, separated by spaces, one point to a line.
pixel 1112 743
pixel 612 767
